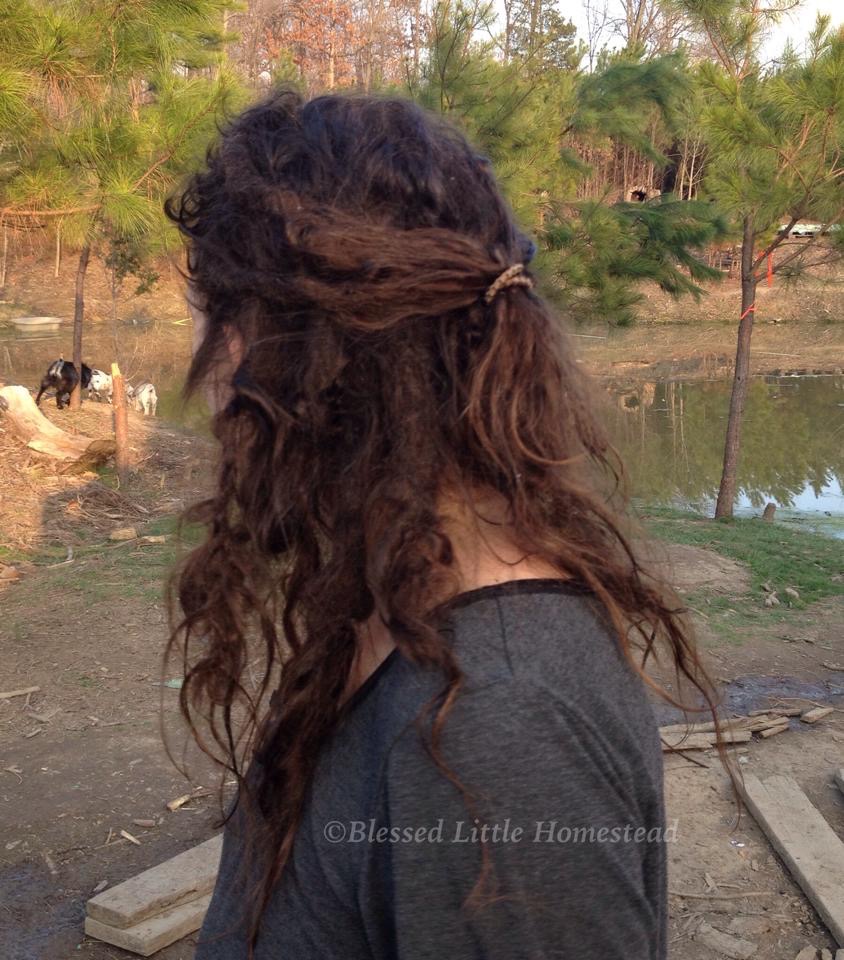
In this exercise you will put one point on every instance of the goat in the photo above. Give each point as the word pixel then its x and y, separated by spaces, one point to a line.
pixel 63 377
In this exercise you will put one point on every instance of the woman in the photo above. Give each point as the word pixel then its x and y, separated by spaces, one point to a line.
pixel 459 759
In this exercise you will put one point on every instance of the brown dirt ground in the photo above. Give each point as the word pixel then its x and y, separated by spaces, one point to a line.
pixel 82 758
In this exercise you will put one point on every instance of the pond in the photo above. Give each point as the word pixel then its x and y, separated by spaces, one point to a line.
pixel 669 432
pixel 671 437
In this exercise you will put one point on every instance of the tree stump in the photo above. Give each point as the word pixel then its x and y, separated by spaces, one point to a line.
pixel 30 425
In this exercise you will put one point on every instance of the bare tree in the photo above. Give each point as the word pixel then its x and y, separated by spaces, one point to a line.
pixel 598 28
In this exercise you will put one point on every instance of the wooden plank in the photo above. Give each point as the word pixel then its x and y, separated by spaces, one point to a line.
pixel 179 880
pixel 678 740
pixel 805 841
pixel 706 726
pixel 155 933
pixel 773 731
pixel 694 741
pixel 812 716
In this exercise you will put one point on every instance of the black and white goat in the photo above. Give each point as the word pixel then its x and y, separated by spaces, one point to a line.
pixel 63 377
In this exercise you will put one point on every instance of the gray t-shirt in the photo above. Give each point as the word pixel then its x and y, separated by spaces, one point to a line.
pixel 555 739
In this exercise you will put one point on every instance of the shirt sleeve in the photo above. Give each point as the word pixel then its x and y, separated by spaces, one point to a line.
pixel 575 851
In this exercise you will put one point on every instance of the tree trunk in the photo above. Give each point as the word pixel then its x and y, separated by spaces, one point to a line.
pixel 729 475
pixel 331 46
pixel 78 315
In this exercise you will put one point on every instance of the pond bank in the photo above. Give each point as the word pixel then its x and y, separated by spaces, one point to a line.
pixel 705 351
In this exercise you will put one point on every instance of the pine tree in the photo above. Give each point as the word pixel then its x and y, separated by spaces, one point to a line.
pixel 127 96
pixel 775 148
pixel 595 253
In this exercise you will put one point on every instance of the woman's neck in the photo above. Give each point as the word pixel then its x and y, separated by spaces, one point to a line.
pixel 485 553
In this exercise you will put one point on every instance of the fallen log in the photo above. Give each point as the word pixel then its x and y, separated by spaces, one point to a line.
pixel 30 425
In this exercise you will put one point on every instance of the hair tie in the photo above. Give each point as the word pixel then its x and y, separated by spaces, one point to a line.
pixel 514 276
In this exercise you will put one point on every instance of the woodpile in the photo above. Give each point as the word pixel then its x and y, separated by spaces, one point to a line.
pixel 679 737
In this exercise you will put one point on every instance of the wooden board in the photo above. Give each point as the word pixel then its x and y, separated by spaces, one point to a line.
pixel 805 841
pixel 678 740
pixel 181 879
pixel 155 933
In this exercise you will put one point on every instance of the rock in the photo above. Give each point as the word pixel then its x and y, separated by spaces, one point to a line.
pixel 733 947
pixel 772 600
pixel 791 592
pixel 123 533
pixel 807 953
pixel 826 954
pixel 768 513
pixel 9 573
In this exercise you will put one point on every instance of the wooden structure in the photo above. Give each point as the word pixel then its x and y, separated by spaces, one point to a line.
pixel 807 844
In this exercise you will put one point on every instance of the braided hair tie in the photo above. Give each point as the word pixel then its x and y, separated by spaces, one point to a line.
pixel 514 276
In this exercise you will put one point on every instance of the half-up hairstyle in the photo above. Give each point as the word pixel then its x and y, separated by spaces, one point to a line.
pixel 347 244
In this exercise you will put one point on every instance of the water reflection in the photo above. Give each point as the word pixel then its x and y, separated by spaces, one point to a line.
pixel 671 435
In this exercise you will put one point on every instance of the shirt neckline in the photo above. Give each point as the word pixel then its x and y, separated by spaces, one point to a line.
pixel 509 588
pixel 487 592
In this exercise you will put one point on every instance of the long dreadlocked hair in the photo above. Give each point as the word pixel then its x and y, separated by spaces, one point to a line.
pixel 347 242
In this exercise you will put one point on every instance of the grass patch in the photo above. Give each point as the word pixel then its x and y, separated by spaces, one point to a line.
pixel 104 571
pixel 775 555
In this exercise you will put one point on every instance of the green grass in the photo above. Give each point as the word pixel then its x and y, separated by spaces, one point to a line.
pixel 103 571
pixel 810 563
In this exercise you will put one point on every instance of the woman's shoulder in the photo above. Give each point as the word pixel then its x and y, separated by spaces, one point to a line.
pixel 551 633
